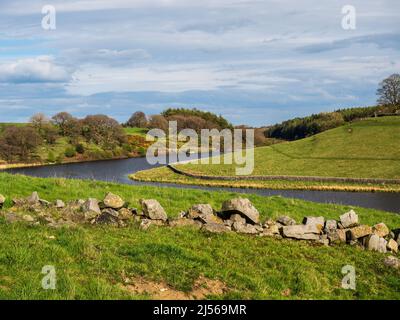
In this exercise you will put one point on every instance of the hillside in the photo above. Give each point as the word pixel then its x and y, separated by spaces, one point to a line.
pixel 363 149
pixel 64 149
pixel 98 262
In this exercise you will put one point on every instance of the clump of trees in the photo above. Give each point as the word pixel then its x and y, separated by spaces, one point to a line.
pixel 68 125
pixel 209 119
pixel 186 119
pixel 19 143
pixel 103 130
pixel 299 128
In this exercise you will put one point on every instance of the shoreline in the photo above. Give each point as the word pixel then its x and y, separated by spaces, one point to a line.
pixel 261 184
pixel 283 178
pixel 4 167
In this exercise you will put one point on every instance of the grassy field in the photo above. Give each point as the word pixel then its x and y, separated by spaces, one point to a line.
pixel 136 131
pixel 93 262
pixel 4 125
pixel 364 149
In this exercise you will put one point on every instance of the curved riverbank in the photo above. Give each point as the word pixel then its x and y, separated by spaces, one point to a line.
pixel 284 178
pixel 170 174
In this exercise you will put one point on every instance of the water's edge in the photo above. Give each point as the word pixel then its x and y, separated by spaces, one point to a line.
pixel 118 171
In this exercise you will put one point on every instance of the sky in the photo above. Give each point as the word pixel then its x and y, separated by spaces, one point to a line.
pixel 256 62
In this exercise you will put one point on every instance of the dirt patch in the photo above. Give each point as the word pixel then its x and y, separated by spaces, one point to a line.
pixel 202 288
pixel 5 283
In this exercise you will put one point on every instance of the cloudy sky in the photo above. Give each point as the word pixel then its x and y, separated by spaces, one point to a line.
pixel 253 61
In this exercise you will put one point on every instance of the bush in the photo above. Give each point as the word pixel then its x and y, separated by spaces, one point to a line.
pixel 127 147
pixel 358 113
pixel 70 152
pixel 60 159
pixel 51 157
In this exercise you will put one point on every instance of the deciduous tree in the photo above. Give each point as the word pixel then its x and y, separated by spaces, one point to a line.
pixel 389 91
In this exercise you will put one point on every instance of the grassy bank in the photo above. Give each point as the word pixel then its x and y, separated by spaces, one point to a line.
pixel 166 175
pixel 95 262
pixel 364 149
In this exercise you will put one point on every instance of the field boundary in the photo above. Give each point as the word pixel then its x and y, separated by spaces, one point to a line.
pixel 283 177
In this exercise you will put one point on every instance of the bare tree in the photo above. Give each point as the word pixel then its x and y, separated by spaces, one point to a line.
pixel 389 91
pixel 158 122
pixel 61 119
pixel 138 119
pixel 38 120
pixel 18 142
pixel 103 130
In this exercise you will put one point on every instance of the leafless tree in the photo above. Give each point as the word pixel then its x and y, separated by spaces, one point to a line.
pixel 103 130
pixel 17 143
pixel 158 122
pixel 389 91
pixel 38 120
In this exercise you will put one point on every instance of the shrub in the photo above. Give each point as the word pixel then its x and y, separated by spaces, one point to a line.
pixel 60 158
pixel 70 152
pixel 127 147
pixel 79 148
pixel 51 157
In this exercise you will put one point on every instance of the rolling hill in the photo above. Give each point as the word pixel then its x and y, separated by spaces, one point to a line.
pixel 364 149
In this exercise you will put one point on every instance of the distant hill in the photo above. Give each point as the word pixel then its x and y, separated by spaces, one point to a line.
pixel 299 128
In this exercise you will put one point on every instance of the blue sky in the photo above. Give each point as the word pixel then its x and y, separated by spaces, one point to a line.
pixel 254 62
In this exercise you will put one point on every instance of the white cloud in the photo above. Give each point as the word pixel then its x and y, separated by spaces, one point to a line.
pixel 284 57
pixel 30 7
pixel 112 57
pixel 32 70
pixel 93 79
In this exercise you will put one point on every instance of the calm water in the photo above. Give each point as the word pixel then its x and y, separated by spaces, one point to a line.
pixel 118 170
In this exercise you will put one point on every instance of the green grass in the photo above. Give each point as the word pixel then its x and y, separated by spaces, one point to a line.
pixel 59 147
pixel 364 149
pixel 91 261
pixel 4 125
pixel 166 175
